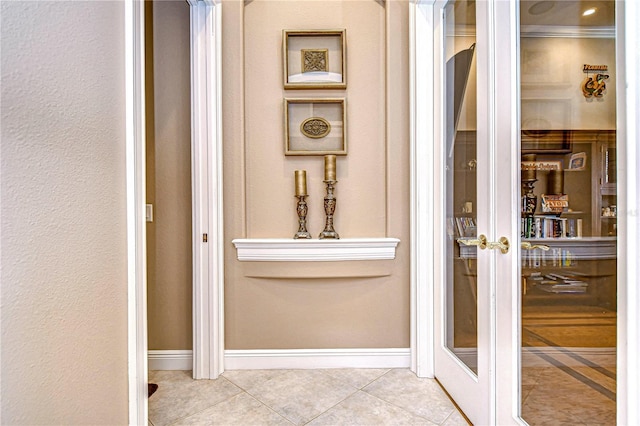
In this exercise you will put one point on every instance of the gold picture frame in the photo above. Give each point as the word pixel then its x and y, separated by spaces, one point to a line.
pixel 315 126
pixel 314 59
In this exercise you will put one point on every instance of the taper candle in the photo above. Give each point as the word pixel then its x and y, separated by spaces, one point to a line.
pixel 301 182
pixel 330 167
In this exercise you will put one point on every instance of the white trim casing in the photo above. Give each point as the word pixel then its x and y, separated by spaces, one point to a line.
pixel 422 180
pixel 136 224
pixel 628 98
pixel 170 359
pixel 290 250
pixel 206 140
pixel 265 359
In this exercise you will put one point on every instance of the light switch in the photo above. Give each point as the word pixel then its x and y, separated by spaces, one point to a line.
pixel 149 212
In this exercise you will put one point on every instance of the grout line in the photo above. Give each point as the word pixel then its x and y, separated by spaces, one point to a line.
pixel 268 407
pixel 208 407
pixel 404 410
pixel 456 407
pixel 335 405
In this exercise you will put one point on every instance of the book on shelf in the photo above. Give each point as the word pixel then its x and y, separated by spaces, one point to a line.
pixel 466 226
pixel 556 257
pixel 564 288
pixel 556 283
pixel 541 226
pixel 552 203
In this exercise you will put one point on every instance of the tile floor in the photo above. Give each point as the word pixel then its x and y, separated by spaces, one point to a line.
pixel 576 396
pixel 301 397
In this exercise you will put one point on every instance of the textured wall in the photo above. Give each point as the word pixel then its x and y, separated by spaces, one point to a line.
pixel 63 233
pixel 329 305
pixel 169 177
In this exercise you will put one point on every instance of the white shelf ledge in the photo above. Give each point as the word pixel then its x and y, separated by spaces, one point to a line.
pixel 290 250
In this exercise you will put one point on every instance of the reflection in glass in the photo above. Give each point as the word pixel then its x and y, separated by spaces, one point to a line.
pixel 460 153
pixel 568 213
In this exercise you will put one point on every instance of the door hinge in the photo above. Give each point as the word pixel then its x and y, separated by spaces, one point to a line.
pixel 204 238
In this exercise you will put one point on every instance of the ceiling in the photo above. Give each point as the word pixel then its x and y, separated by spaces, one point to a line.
pixel 565 13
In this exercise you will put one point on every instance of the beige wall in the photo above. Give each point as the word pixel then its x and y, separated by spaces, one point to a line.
pixel 169 176
pixel 63 232
pixel 352 304
pixel 334 304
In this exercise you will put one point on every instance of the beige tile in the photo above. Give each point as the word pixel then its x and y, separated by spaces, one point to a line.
pixel 301 395
pixel 456 419
pixel 240 410
pixel 357 377
pixel 170 376
pixel 179 396
pixel 422 397
pixel 247 379
pixel 364 409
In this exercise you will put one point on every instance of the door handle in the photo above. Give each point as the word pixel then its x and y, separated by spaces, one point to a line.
pixel 481 241
pixel 502 244
pixel 528 246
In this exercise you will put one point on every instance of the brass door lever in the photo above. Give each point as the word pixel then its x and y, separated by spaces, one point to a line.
pixel 528 246
pixel 483 243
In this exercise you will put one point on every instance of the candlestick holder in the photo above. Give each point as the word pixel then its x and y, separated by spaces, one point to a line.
pixel 302 218
pixel 329 209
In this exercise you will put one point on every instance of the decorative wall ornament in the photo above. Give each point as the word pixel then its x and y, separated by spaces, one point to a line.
pixel 594 86
pixel 314 59
pixel 315 126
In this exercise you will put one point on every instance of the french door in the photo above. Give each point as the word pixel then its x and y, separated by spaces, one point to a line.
pixel 476 111
pixel 526 180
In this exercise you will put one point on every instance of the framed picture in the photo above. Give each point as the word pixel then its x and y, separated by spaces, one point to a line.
pixel 314 59
pixel 315 126
pixel 578 161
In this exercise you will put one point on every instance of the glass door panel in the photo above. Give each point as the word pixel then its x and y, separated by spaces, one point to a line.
pixel 568 212
pixel 461 327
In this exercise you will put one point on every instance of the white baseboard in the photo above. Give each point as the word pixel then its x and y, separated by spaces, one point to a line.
pixel 265 359
pixel 170 360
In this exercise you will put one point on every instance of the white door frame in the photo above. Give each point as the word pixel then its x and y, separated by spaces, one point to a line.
pixel 206 172
pixel 136 198
pixel 422 75
pixel 207 148
pixel 423 162
pixel 628 98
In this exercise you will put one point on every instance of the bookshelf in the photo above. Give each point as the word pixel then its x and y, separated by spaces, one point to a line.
pixel 579 267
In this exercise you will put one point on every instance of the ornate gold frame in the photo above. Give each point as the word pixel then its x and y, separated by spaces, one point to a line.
pixel 319 43
pixel 327 133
